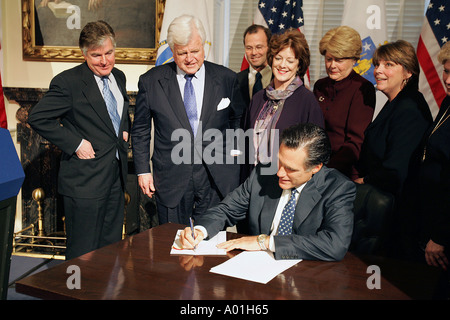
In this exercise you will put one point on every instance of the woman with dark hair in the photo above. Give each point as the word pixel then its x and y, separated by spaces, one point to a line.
pixel 285 102
pixel 391 141
pixel 393 137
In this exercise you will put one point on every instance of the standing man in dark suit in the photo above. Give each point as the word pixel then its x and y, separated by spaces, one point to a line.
pixel 302 212
pixel 258 75
pixel 85 114
pixel 192 103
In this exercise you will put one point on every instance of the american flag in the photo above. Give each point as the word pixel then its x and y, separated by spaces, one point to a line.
pixel 435 32
pixel 278 16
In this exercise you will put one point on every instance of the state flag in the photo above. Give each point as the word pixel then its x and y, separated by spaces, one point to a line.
pixel 368 17
pixel 175 8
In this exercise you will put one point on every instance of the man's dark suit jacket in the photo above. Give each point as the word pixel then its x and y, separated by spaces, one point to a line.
pixel 243 85
pixel 73 109
pixel 323 221
pixel 159 100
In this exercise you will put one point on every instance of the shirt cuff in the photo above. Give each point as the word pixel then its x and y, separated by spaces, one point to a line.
pixel 79 146
pixel 202 229
pixel 271 244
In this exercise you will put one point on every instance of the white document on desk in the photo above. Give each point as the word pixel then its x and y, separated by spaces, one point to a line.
pixel 256 266
pixel 204 248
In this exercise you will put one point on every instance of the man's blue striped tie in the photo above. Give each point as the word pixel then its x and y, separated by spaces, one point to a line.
pixel 111 105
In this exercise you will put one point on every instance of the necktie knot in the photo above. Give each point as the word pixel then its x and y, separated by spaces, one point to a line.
pixel 105 80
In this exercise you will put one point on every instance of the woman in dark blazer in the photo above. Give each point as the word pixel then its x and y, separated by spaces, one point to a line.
pixel 393 137
pixel 425 216
pixel 285 102
pixel 347 99
pixel 431 235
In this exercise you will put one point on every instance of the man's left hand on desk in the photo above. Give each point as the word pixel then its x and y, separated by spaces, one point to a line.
pixel 245 243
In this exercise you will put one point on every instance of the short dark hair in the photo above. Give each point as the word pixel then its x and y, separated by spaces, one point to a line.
pixel 94 33
pixel 254 28
pixel 312 138
pixel 403 53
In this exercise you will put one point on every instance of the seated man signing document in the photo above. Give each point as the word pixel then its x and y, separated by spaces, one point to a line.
pixel 302 212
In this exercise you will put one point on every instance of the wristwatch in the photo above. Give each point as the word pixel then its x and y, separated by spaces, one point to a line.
pixel 261 241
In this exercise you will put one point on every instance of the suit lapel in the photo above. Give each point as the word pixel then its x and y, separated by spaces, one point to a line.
pixel 308 199
pixel 126 102
pixel 170 86
pixel 269 207
pixel 210 95
pixel 94 97
pixel 245 82
pixel 380 118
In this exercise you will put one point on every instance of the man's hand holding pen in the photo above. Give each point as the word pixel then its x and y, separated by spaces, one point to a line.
pixel 188 241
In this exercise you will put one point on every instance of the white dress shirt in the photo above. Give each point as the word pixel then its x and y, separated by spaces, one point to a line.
pixel 284 198
pixel 198 82
pixel 114 87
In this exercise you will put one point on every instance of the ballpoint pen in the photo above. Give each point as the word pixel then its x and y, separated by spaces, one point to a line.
pixel 191 222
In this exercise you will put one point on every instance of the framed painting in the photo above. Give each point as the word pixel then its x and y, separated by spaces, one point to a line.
pixel 51 28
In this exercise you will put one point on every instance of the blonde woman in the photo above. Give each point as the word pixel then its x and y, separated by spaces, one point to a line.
pixel 347 99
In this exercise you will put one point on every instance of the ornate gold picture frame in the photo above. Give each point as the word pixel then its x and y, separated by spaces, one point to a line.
pixel 137 25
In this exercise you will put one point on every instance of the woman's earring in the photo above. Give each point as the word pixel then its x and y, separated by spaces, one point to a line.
pixel 405 81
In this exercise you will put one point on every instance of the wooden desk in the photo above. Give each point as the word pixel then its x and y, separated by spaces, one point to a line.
pixel 141 267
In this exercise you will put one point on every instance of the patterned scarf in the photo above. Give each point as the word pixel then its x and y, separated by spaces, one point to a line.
pixel 264 136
